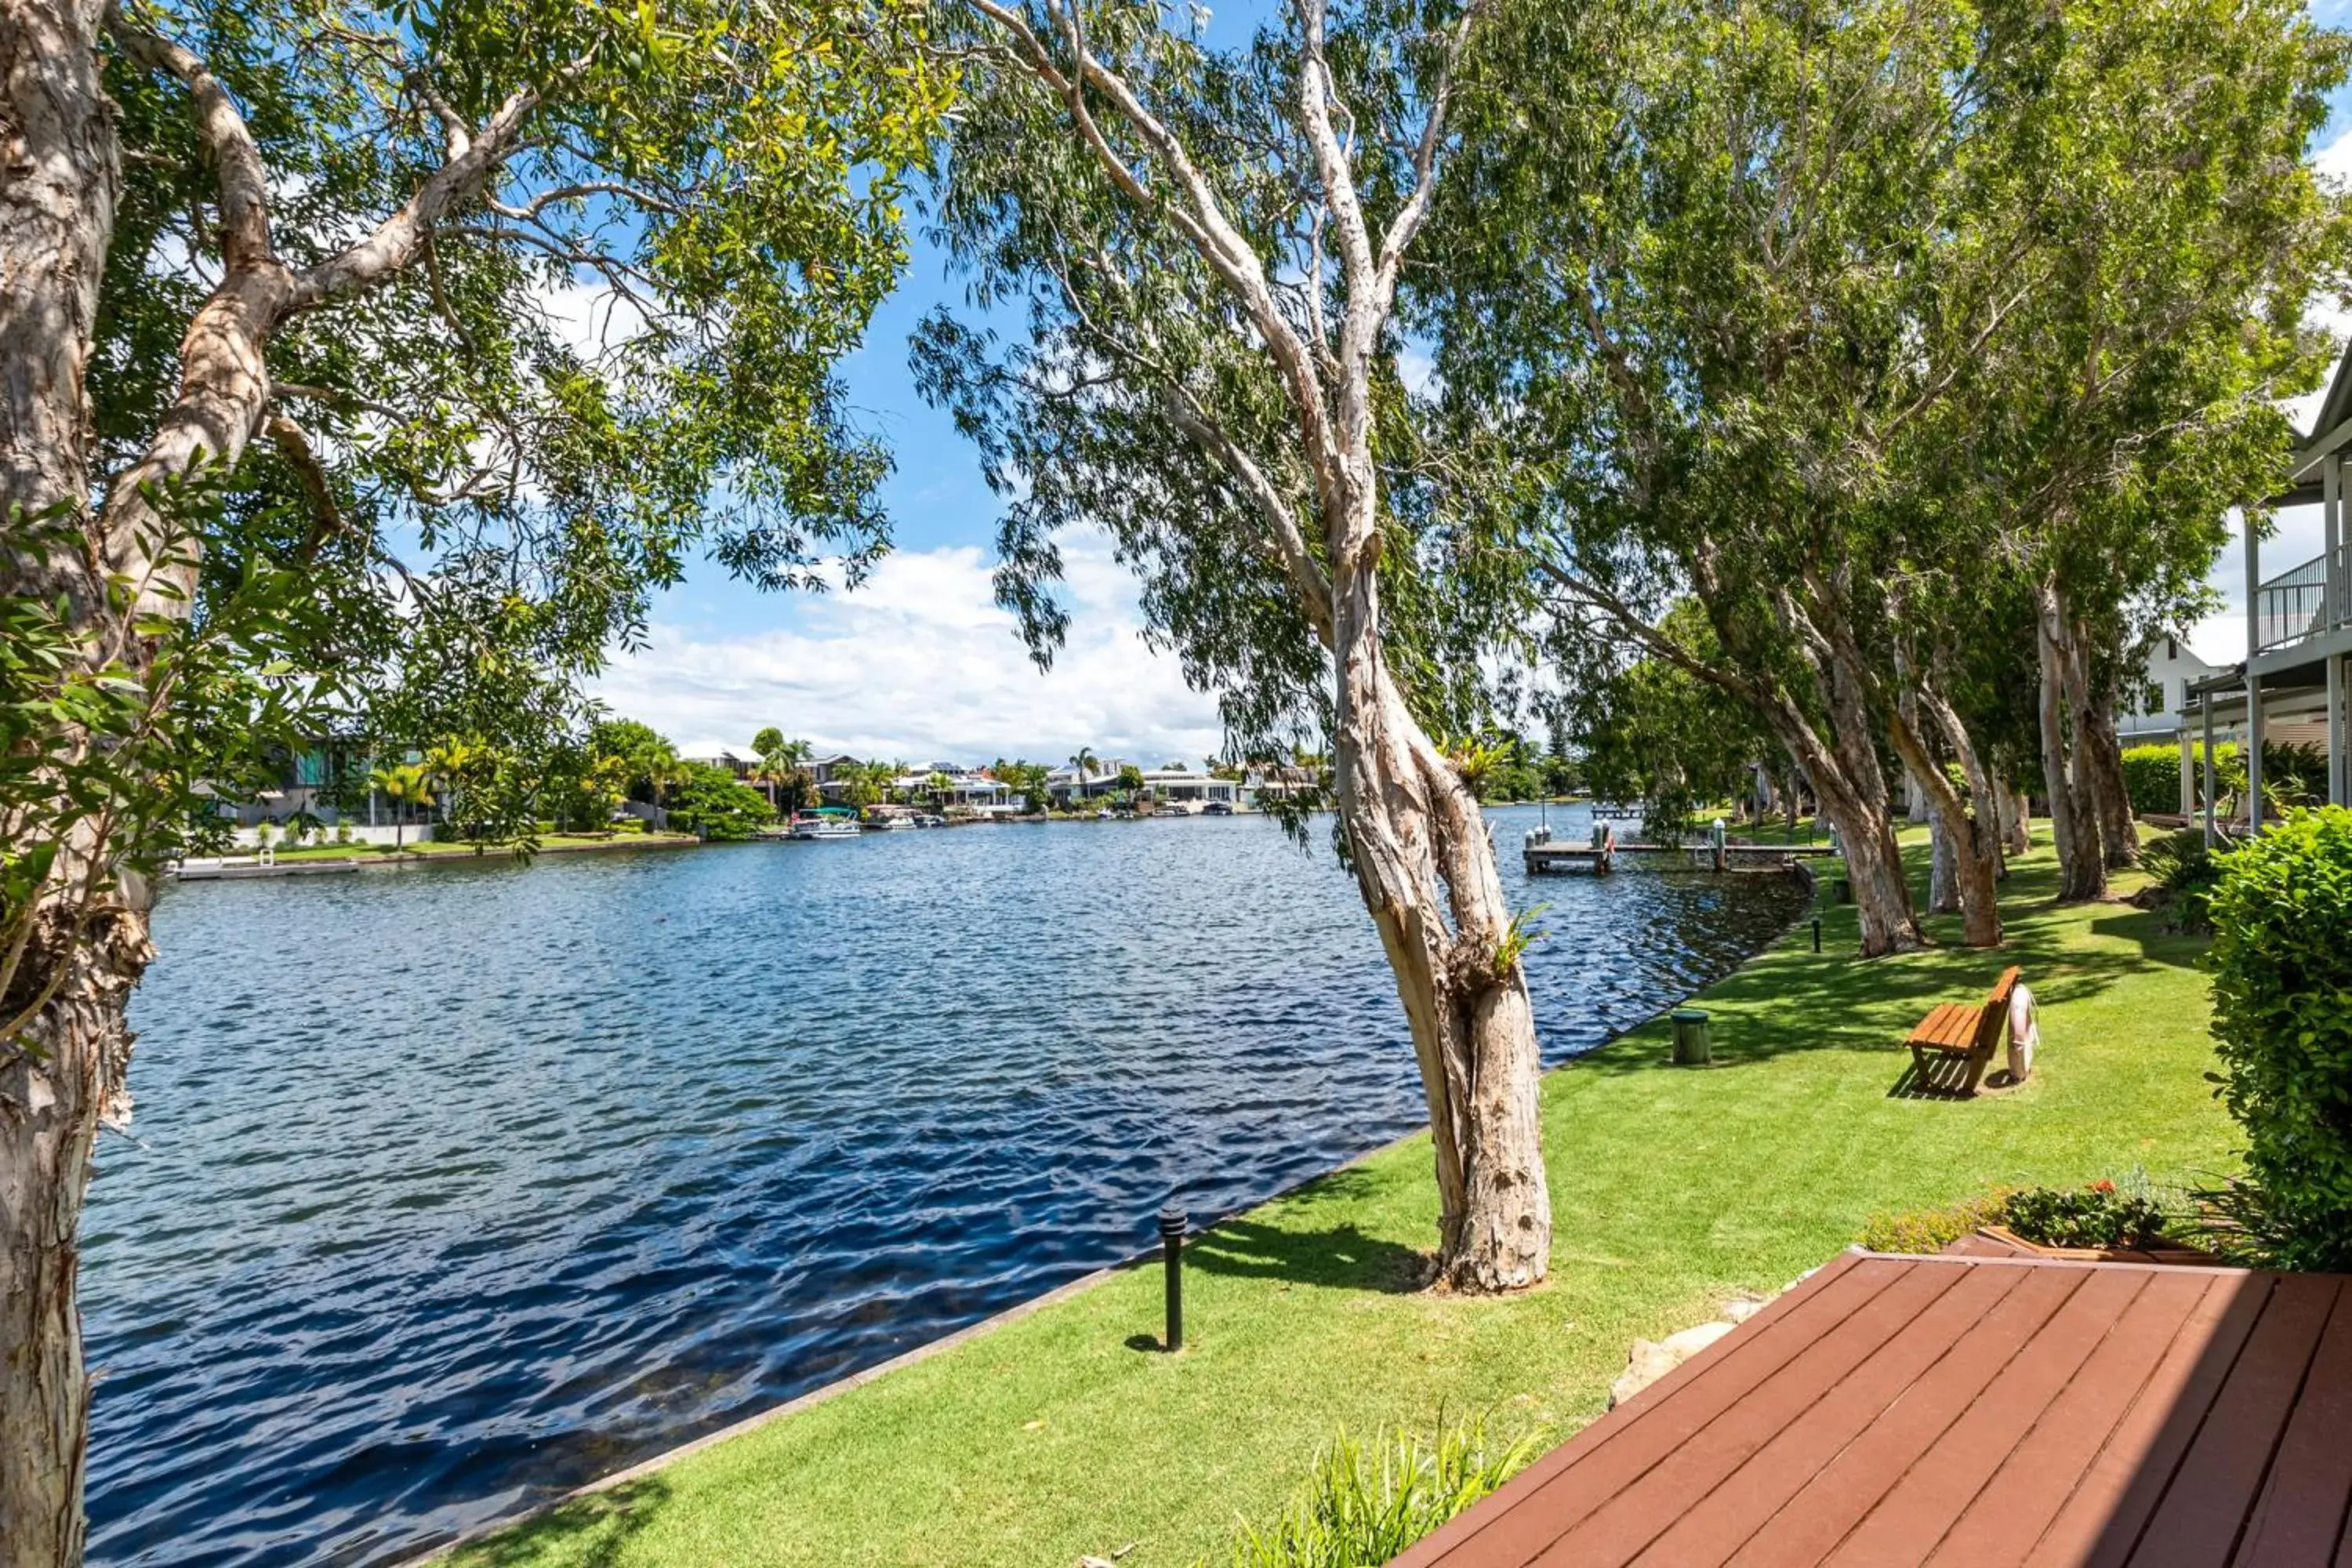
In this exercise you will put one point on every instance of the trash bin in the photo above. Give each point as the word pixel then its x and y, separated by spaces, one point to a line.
pixel 1691 1045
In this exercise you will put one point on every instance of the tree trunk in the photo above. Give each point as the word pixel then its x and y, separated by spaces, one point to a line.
pixel 1882 893
pixel 1915 794
pixel 1969 846
pixel 2099 743
pixel 2082 864
pixel 51 1107
pixel 1943 870
pixel 58 151
pixel 1421 853
pixel 2016 823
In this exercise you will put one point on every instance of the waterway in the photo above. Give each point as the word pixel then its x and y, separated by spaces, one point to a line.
pixel 456 1186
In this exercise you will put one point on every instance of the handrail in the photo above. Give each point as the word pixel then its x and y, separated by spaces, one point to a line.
pixel 2294 605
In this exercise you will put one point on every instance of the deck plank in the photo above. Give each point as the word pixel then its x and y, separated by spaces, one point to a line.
pixel 2300 1518
pixel 1717 1376
pixel 2204 1509
pixel 2010 1515
pixel 1670 1416
pixel 1780 1507
pixel 1971 1411
pixel 1610 1526
pixel 2111 1503
pixel 1905 1525
pixel 1832 1501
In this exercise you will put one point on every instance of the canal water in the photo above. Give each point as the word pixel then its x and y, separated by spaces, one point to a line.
pixel 453 1187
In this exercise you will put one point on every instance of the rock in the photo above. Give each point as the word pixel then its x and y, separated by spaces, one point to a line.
pixel 1745 1305
pixel 1653 1359
pixel 1648 1362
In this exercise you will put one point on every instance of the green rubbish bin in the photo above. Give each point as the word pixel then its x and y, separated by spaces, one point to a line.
pixel 1692 1047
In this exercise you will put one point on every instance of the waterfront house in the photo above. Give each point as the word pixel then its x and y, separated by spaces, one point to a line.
pixel 835 777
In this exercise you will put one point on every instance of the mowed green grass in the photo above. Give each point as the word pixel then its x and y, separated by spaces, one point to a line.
pixel 1671 1188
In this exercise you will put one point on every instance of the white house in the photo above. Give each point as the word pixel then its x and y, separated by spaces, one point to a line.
pixel 2154 701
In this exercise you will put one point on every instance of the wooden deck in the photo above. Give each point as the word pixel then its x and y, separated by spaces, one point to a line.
pixel 1966 1410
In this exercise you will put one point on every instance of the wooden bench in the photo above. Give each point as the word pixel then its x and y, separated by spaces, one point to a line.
pixel 1968 1030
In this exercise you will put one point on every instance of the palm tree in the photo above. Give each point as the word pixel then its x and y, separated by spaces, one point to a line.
pixel 410 783
pixel 767 747
pixel 795 758
pixel 1086 762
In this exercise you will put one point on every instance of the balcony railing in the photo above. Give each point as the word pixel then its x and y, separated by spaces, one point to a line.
pixel 2294 604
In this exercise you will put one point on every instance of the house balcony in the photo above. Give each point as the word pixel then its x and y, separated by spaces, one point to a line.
pixel 2295 607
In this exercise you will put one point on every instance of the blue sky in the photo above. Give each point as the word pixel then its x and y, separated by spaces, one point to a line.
pixel 920 666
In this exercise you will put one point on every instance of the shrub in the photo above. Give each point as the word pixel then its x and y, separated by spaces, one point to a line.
pixel 2097 1216
pixel 1358 1509
pixel 2283 1024
pixel 1930 1230
pixel 2152 777
pixel 2186 874
pixel 711 802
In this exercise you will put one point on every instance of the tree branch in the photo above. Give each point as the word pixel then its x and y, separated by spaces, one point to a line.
pixel 237 159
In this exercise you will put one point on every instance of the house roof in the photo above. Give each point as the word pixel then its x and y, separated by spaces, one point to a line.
pixel 2331 430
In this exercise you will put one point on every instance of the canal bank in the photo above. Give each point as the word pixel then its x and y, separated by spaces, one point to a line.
pixel 1062 1434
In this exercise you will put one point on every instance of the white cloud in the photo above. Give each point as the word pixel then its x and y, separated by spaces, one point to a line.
pixel 919 665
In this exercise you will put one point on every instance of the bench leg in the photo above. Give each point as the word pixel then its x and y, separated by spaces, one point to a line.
pixel 1977 1062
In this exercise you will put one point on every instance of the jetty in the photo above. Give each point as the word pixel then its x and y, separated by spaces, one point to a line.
pixel 248 871
pixel 1545 856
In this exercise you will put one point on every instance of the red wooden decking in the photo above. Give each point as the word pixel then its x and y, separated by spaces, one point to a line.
pixel 1966 1410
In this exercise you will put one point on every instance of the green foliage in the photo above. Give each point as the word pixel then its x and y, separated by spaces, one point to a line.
pixel 2292 776
pixel 110 764
pixel 2099 1215
pixel 2282 1027
pixel 1360 1508
pixel 2152 778
pixel 711 802
pixel 1127 400
pixel 1930 1230
pixel 1657 733
pixel 2186 874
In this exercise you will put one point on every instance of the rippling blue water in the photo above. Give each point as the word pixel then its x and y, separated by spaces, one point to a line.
pixel 453 1187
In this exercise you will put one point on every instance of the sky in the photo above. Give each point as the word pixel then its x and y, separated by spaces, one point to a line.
pixel 919 665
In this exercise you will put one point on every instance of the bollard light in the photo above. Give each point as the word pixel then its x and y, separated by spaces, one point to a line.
pixel 1172 1221
pixel 1817 933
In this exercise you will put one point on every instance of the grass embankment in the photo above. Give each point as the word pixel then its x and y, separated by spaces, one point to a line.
pixel 1051 1437
pixel 432 850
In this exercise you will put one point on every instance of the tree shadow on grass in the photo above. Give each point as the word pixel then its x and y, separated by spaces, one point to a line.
pixel 1789 999
pixel 1341 1258
pixel 2157 945
pixel 592 1531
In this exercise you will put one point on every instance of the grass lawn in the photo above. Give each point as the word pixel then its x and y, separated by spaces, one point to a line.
pixel 431 848
pixel 1051 1437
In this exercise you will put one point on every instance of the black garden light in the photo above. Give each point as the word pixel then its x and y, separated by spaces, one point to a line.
pixel 1172 1221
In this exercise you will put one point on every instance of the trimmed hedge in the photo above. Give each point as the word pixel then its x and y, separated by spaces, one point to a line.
pixel 2152 777
pixel 2282 1027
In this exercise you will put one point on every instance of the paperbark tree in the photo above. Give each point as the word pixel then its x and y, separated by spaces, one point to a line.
pixel 1727 294
pixel 2097 449
pixel 1889 289
pixel 1209 247
pixel 275 289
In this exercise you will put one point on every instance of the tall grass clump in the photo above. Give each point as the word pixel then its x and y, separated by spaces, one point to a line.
pixel 1363 1504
